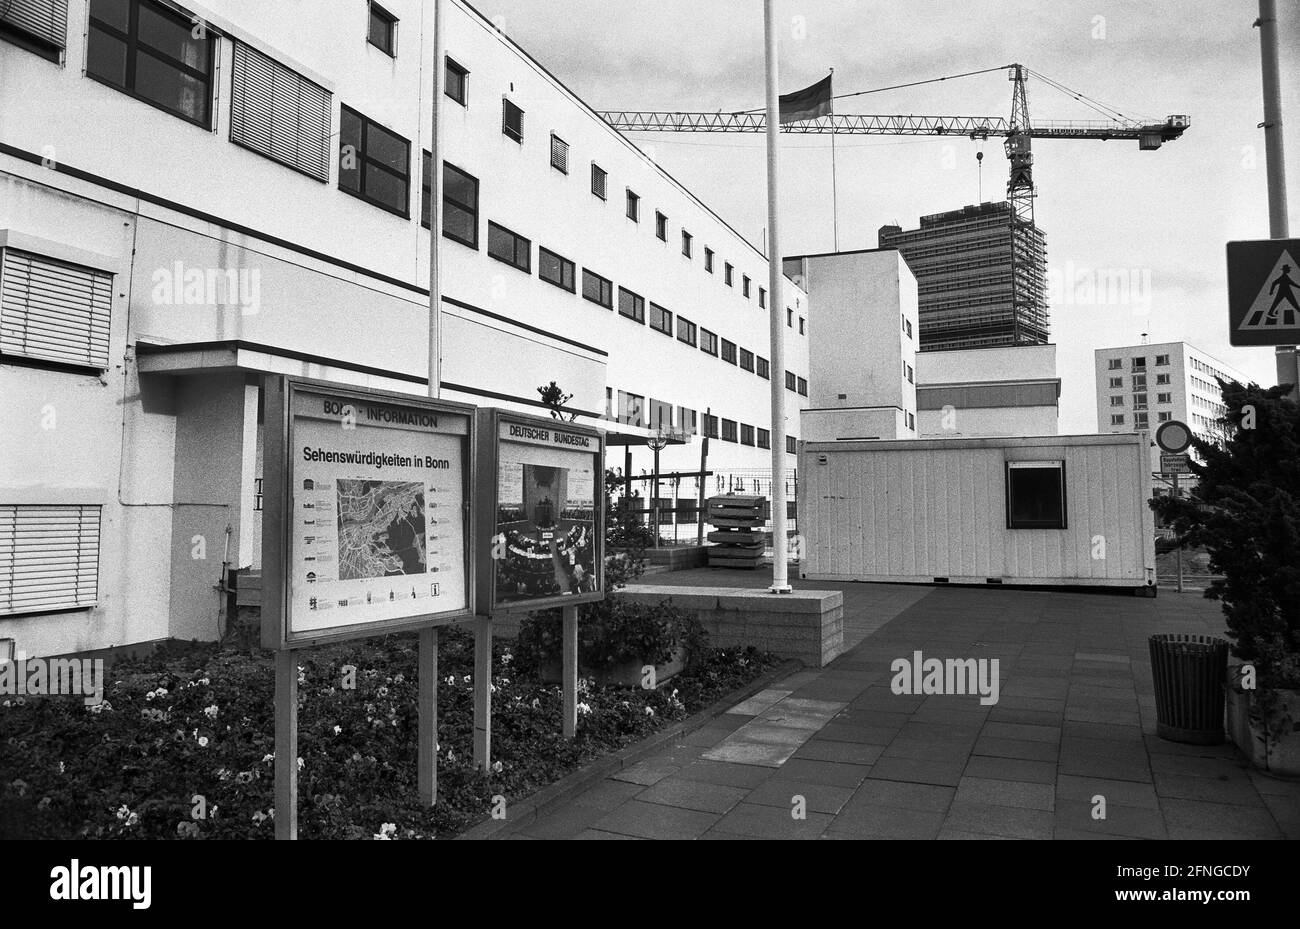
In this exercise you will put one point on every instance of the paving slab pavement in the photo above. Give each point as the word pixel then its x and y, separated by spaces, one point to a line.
pixel 833 753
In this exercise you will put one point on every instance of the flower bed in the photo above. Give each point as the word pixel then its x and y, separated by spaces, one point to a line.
pixel 182 745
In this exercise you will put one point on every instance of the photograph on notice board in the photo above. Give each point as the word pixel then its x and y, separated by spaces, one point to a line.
pixel 545 524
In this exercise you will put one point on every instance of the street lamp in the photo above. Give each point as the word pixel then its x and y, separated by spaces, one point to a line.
pixel 658 442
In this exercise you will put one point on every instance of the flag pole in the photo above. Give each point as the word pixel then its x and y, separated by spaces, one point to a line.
pixel 776 311
pixel 835 198
pixel 427 660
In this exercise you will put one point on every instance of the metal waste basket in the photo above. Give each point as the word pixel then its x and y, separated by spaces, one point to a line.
pixel 1189 673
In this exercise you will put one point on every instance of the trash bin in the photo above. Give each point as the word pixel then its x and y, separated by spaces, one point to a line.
pixel 1189 673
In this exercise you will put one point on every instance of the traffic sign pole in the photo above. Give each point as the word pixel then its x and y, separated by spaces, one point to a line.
pixel 1180 544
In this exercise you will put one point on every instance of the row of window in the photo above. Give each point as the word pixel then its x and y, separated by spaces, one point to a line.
pixel 1138 363
pixel 1139 381
pixel 634 410
pixel 1140 400
pixel 1140 419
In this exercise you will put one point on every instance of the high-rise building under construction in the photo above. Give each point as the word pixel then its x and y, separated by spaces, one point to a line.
pixel 981 277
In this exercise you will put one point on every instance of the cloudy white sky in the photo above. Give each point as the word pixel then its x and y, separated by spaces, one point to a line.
pixel 1163 216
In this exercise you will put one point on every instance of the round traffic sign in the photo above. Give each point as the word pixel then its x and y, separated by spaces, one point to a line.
pixel 1174 437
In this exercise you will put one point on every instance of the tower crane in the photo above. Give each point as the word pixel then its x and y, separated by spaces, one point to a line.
pixel 1017 131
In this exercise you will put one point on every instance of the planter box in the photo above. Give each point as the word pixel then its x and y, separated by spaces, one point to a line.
pixel 1278 756
pixel 624 675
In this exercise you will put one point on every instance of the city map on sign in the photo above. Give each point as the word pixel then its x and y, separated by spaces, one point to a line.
pixel 381 529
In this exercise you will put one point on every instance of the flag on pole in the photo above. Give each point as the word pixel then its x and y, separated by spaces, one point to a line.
pixel 808 103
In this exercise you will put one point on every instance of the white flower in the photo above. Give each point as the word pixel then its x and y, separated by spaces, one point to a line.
pixel 386 832
pixel 399 679
pixel 537 704
pixel 203 741
pixel 498 767
pixel 649 711
pixel 123 812
pixel 210 712
pixel 301 764
pixel 506 657
pixel 338 729
pixel 583 709
pixel 383 691
pixel 205 681
pixel 468 678
pixel 451 680
pixel 62 767
pixel 269 756
pixel 259 817
pixel 492 688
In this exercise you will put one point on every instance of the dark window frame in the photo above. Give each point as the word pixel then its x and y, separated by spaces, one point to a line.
pixel 426 195
pixel 364 159
pixel 451 66
pixel 564 152
pixel 134 47
pixel 657 314
pixel 802 386
pixel 708 259
pixel 633 205
pixel 691 329
pixel 713 336
pixel 598 172
pixel 389 21
pixel 564 263
pixel 730 431
pixel 688 241
pixel 1060 522
pixel 744 285
pixel 606 288
pixel 509 108
pixel 728 274
pixel 763 367
pixel 764 438
pixel 746 434
pixel 762 298
pixel 746 362
pixel 661 226
pixel 790 382
pixel 527 265
pixel 728 348
pixel 638 305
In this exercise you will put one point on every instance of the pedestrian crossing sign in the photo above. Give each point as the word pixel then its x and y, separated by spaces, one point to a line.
pixel 1264 292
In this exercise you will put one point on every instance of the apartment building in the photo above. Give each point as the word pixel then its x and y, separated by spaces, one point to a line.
pixel 1141 386
pixel 193 196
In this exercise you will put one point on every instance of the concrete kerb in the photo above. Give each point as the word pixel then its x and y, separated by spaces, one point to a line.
pixel 523 812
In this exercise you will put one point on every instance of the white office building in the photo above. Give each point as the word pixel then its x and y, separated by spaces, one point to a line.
pixel 1141 386
pixel 195 195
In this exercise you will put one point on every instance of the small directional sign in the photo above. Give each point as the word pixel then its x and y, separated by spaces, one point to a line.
pixel 1174 464
pixel 1264 292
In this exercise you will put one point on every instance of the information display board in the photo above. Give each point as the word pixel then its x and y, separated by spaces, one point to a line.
pixel 542 492
pixel 366 512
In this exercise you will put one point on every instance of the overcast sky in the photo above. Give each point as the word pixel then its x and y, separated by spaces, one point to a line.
pixel 1162 217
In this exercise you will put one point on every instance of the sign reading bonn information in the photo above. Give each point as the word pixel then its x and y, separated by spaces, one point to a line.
pixel 546 525
pixel 369 525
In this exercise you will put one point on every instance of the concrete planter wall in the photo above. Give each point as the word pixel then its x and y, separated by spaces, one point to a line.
pixel 807 625
pixel 1278 755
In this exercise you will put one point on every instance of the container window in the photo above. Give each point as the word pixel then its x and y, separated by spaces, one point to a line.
pixel 1036 495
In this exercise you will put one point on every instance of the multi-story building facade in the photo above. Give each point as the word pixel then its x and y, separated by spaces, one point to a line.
pixel 1010 391
pixel 194 196
pixel 981 277
pixel 1141 386
pixel 865 345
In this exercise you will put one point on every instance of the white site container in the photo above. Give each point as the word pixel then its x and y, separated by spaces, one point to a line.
pixel 936 511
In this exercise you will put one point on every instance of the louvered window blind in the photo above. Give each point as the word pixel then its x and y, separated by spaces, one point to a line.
pixel 53 310
pixel 49 557
pixel 278 113
pixel 47 20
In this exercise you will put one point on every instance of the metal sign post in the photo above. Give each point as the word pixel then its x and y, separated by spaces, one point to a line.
pixel 541 515
pixel 366 530
pixel 1174 438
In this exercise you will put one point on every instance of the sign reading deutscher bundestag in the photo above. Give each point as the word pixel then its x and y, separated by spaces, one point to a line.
pixel 547 531
pixel 375 514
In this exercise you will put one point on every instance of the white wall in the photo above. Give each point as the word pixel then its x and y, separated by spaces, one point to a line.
pixel 977 365
pixel 988 421
pixel 913 511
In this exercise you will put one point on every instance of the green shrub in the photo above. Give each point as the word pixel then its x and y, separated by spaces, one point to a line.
pixel 1246 512
pixel 612 632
